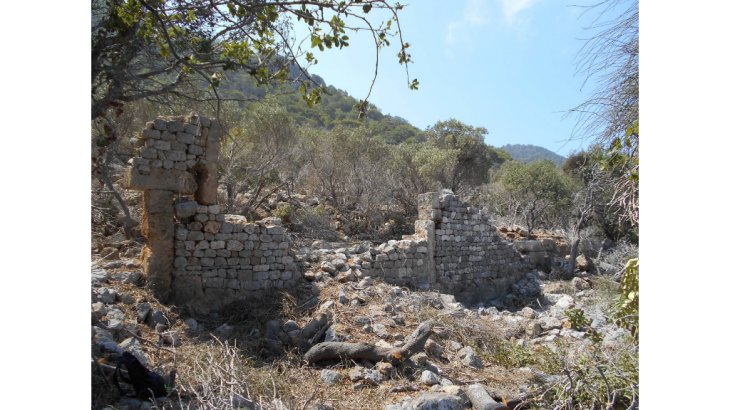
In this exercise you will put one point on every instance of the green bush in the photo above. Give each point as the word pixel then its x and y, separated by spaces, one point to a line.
pixel 626 306
pixel 284 212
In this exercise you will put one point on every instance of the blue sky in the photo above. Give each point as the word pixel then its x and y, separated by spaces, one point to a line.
pixel 502 64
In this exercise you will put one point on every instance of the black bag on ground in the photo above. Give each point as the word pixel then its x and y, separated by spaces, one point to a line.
pixel 140 378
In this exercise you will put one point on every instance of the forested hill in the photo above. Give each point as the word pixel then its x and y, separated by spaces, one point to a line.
pixel 528 153
pixel 335 108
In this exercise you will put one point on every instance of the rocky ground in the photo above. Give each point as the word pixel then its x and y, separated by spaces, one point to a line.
pixel 525 349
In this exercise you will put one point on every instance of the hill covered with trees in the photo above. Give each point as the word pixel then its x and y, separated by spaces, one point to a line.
pixel 529 153
pixel 336 107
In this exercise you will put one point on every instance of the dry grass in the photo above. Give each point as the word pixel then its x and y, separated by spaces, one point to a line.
pixel 216 372
pixel 212 370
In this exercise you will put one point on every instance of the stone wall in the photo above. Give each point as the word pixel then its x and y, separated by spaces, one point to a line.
pixel 198 257
pixel 195 256
pixel 468 253
pixel 221 258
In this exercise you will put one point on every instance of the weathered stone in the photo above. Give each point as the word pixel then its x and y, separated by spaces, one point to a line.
pixel 212 226
pixel 429 378
pixel 330 377
pixel 162 179
pixel 437 401
pixel 582 263
pixel 172 338
pixel 185 209
pixel 469 358
pixel 126 277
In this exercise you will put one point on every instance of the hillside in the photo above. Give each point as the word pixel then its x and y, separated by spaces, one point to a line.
pixel 335 108
pixel 529 153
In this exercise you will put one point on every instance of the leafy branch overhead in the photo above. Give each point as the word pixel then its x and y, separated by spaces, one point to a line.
pixel 161 49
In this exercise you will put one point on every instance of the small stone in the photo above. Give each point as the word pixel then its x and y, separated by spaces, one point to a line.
pixel 380 330
pixel 529 312
pixel 143 309
pixel 224 329
pixel 373 377
pixel 117 264
pixel 172 338
pixel 437 401
pixel 155 317
pixel 429 378
pixel 106 295
pixel 126 277
pixel 469 358
pixel 108 345
pixel 330 377
pixel 98 277
pixel 356 374
pixel 99 309
pixel 290 326
pixel 191 323
pixel 331 335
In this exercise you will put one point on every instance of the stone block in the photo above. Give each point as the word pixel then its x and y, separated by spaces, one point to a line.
pixel 192 129
pixel 212 226
pixel 160 179
pixel 148 152
pixel 162 145
pixel 185 138
pixel 156 201
pixel 185 209
pixel 195 150
pixel 175 155
pixel 207 190
pixel 175 126
pixel 158 226
pixel 234 245
pixel 148 133
pixel 159 124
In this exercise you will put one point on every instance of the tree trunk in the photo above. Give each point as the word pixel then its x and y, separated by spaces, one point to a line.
pixel 573 255
pixel 105 178
pixel 481 400
pixel 346 351
pixel 230 192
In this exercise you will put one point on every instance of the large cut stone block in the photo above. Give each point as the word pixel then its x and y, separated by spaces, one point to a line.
pixel 161 179
pixel 156 201
pixel 207 177
pixel 158 226
pixel 213 145
pixel 427 203
pixel 157 263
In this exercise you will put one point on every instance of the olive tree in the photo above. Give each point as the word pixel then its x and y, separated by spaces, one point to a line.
pixel 535 190
pixel 259 145
pixel 155 49
pixel 468 156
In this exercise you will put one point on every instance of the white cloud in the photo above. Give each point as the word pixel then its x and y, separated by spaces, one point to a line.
pixel 512 7
pixel 456 31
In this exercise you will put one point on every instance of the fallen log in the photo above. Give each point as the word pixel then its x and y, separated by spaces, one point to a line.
pixel 481 400
pixel 360 350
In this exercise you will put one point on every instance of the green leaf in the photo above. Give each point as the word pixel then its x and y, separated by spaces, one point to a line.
pixel 366 8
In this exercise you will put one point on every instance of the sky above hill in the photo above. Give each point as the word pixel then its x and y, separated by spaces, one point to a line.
pixel 506 65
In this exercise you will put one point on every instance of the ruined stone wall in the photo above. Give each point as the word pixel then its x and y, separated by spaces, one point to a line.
pixel 195 255
pixel 468 253
pixel 220 258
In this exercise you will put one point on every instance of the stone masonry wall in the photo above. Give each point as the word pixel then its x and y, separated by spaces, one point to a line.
pixel 468 253
pixel 204 259
pixel 220 258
